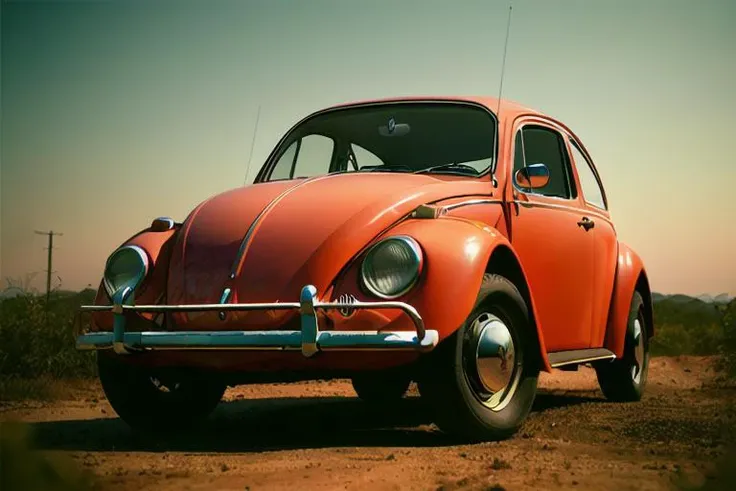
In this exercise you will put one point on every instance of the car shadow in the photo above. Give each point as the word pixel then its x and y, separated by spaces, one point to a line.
pixel 274 424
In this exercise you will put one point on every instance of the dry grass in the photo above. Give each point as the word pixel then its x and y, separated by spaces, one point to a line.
pixel 46 388
pixel 37 339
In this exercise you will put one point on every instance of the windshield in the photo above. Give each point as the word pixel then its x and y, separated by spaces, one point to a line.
pixel 451 138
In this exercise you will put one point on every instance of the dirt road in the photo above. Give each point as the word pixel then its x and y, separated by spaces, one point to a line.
pixel 319 436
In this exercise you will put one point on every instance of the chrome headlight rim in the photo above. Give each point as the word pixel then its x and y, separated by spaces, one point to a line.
pixel 418 260
pixel 137 277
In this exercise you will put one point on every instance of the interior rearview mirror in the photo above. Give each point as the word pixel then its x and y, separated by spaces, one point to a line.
pixel 394 129
pixel 532 176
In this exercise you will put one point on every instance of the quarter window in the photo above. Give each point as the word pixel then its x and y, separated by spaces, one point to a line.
pixel 592 191
pixel 539 145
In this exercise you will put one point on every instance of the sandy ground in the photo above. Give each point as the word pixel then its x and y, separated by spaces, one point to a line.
pixel 320 436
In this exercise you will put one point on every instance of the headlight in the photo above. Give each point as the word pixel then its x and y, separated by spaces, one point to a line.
pixel 392 267
pixel 125 269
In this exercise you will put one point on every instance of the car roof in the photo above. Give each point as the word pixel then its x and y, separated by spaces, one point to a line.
pixel 509 110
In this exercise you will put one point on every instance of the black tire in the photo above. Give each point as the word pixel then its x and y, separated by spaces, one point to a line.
pixel 384 386
pixel 454 392
pixel 617 378
pixel 144 404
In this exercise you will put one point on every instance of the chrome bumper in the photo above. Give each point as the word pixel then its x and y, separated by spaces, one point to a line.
pixel 309 340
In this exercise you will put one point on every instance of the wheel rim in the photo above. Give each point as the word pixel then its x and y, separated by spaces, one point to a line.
pixel 162 386
pixel 639 352
pixel 492 361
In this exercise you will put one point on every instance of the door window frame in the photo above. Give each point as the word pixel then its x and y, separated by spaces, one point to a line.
pixel 569 167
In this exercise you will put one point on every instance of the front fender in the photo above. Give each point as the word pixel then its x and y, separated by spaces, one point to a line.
pixel 158 246
pixel 456 252
pixel 630 276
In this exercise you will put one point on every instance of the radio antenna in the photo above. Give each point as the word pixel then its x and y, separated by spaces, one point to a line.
pixel 503 63
pixel 252 145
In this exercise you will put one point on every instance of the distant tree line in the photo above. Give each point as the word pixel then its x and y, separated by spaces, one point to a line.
pixel 687 325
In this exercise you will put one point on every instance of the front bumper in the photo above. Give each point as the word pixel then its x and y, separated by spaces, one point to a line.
pixel 309 340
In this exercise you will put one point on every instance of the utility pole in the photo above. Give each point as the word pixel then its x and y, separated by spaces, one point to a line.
pixel 50 234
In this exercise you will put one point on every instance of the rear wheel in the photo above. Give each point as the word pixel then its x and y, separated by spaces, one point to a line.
pixel 151 402
pixel 624 379
pixel 481 381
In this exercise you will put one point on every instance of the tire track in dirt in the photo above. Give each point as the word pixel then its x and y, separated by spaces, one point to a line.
pixel 319 436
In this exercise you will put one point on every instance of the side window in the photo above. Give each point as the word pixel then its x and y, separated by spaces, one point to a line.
pixel 592 191
pixel 308 157
pixel 283 167
pixel 545 146
pixel 314 156
pixel 365 158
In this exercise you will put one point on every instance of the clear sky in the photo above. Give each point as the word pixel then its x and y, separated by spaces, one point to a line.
pixel 114 113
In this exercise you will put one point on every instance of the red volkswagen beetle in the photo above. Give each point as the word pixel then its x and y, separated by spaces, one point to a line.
pixel 461 243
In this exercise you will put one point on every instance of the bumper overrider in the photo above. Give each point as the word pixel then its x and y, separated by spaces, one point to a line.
pixel 309 340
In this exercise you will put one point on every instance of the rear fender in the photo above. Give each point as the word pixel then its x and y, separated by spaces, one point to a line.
pixel 630 277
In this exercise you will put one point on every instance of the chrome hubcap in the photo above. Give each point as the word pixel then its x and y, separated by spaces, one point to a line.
pixel 494 355
pixel 491 361
pixel 638 352
pixel 163 387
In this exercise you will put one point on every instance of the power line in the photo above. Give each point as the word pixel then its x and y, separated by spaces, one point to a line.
pixel 49 271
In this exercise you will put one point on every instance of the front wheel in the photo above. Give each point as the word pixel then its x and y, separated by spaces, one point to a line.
pixel 146 401
pixel 481 381
pixel 624 379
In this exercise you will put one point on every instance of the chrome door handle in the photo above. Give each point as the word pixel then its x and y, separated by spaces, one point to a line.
pixel 586 223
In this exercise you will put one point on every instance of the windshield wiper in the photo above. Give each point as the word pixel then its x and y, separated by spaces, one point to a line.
pixel 450 166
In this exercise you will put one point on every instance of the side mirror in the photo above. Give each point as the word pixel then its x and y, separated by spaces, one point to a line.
pixel 532 176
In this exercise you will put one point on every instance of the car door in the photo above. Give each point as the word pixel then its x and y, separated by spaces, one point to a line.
pixel 605 242
pixel 553 241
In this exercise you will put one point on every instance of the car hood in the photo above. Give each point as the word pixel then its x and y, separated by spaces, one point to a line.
pixel 266 241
